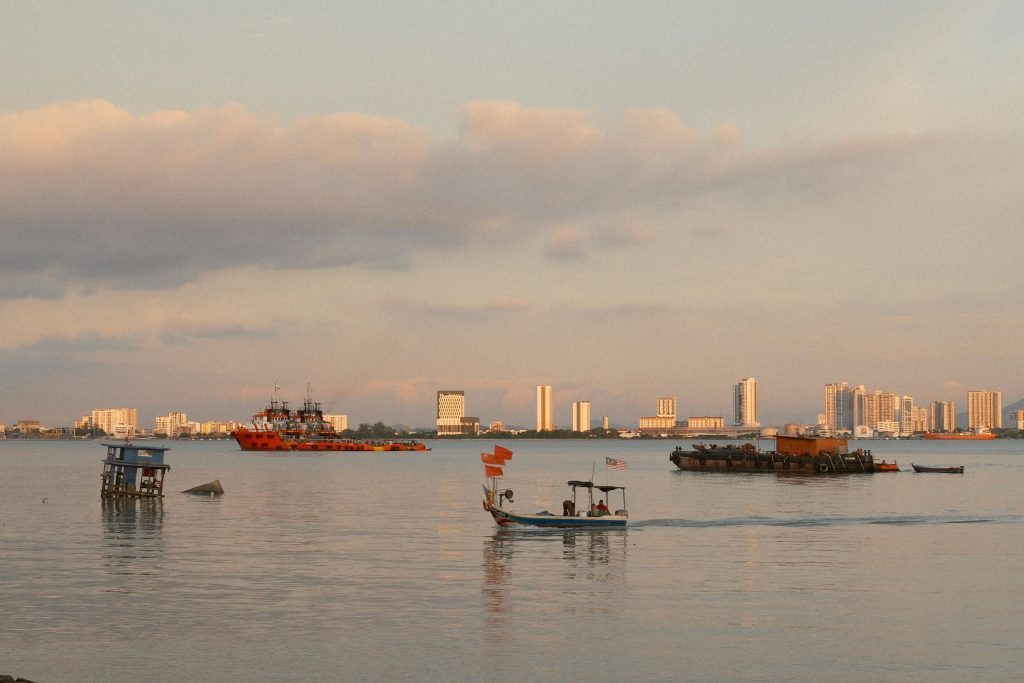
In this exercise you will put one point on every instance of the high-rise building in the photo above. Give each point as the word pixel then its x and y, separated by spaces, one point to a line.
pixel 581 416
pixel 984 410
pixel 943 416
pixel 339 423
pixel 839 407
pixel 1019 416
pixel 921 423
pixel 667 407
pixel 860 407
pixel 906 415
pixel 666 415
pixel 172 424
pixel 544 423
pixel 871 408
pixel 116 421
pixel 745 403
pixel 451 408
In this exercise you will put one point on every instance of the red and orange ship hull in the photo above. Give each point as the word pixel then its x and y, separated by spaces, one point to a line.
pixel 269 440
pixel 985 436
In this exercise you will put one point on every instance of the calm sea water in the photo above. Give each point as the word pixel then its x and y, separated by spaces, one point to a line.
pixel 384 567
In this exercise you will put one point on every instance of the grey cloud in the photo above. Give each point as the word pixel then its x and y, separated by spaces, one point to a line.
pixel 100 195
pixel 183 337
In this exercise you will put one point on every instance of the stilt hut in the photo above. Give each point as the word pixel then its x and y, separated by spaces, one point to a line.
pixel 133 471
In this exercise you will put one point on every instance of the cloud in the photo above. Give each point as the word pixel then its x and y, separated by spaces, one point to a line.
pixel 499 306
pixel 91 194
pixel 180 337
pixel 58 356
pixel 533 136
pixel 566 243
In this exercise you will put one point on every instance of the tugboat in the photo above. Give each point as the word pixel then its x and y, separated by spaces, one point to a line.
pixel 792 454
pixel 277 428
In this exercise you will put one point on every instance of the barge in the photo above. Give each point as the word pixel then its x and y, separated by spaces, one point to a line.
pixel 796 454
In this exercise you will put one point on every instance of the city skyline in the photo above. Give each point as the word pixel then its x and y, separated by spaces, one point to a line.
pixel 449 408
pixel 620 202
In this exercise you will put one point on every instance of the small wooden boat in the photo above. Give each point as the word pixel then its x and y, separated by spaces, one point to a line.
pixel 956 469
pixel 578 511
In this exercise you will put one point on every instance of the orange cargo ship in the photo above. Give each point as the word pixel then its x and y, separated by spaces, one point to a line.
pixel 276 428
pixel 966 436
pixel 983 436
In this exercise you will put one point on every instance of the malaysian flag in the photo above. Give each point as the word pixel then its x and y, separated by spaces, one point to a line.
pixel 613 464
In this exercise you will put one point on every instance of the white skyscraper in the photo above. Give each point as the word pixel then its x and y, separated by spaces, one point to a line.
pixel 544 423
pixel 581 416
pixel 984 410
pixel 451 408
pixel 745 403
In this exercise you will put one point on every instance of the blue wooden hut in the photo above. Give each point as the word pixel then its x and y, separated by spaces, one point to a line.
pixel 133 471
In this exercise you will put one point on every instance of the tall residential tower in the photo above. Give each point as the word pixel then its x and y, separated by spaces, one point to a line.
pixel 581 416
pixel 984 410
pixel 544 423
pixel 745 403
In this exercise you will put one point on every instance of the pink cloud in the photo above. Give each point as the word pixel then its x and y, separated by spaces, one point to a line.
pixel 533 135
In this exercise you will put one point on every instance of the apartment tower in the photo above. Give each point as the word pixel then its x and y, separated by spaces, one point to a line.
pixel 544 423
pixel 581 416
pixel 943 416
pixel 667 408
pixel 745 403
pixel 984 410
pixel 839 407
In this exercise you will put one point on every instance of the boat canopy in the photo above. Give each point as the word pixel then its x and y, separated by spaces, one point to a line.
pixel 592 485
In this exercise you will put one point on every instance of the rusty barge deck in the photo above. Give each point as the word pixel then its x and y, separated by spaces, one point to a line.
pixel 806 455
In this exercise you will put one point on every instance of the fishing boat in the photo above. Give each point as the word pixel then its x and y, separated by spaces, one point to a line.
pixel 578 511
pixel 278 428
pixel 955 469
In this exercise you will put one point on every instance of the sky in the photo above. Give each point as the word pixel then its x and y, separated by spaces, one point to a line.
pixel 200 201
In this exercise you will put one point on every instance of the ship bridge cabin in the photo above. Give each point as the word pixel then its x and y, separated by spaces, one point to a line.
pixel 133 471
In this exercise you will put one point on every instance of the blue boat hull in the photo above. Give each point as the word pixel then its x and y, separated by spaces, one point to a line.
pixel 506 518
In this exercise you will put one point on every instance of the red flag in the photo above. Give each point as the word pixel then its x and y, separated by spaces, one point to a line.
pixel 491 459
pixel 503 453
pixel 492 471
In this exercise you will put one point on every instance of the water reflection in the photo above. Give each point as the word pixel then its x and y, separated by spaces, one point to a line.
pixel 133 541
pixel 519 557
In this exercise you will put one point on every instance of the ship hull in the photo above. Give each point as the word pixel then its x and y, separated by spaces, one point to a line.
pixel 987 436
pixel 269 440
pixel 740 459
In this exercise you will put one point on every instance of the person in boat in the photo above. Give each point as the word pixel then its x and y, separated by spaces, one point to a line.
pixel 568 508
pixel 602 509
